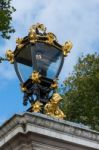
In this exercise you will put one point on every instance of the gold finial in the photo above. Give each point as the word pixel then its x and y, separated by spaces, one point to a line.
pixel 33 35
pixel 67 47
pixel 19 43
pixel 10 56
pixel 52 108
pixel 35 77
pixel 41 27
pixel 36 107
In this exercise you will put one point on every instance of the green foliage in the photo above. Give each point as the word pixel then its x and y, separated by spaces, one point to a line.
pixel 6 11
pixel 81 98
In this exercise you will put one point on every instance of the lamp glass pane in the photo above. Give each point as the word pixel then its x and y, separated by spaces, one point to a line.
pixel 24 63
pixel 48 59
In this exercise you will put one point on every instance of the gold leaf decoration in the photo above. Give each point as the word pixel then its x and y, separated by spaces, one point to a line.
pixel 52 109
pixel 35 77
pixel 67 47
pixel 36 107
pixel 19 43
pixel 50 38
pixel 10 56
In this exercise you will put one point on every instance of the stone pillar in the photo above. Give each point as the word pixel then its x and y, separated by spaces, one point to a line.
pixel 34 131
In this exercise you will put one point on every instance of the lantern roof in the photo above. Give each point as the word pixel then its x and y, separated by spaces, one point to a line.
pixel 38 33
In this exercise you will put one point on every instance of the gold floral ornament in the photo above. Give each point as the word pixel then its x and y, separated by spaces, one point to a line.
pixel 35 77
pixel 50 38
pixel 19 42
pixel 36 107
pixel 52 109
pixel 10 56
pixel 67 47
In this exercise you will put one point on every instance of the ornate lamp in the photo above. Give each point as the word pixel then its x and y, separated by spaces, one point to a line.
pixel 38 60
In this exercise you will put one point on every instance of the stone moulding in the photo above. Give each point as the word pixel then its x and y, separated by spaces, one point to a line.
pixel 54 128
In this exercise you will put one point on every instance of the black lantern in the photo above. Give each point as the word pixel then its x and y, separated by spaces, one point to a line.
pixel 38 60
pixel 39 57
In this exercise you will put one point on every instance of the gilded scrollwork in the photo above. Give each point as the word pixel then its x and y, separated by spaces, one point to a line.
pixel 52 109
pixel 50 38
pixel 10 56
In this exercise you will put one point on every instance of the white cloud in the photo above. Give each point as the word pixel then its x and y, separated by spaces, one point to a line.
pixel 74 20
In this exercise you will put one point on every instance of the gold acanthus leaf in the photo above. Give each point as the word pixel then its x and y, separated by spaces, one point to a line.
pixel 10 56
pixel 67 47
pixel 19 42
pixel 50 38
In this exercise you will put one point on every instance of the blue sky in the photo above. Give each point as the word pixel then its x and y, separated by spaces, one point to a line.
pixel 75 20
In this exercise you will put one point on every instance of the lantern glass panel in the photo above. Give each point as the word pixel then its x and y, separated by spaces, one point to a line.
pixel 47 59
pixel 24 63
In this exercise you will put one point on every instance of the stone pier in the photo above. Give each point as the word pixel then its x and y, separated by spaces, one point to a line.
pixel 34 131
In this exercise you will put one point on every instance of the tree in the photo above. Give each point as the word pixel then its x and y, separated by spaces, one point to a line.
pixel 6 11
pixel 81 98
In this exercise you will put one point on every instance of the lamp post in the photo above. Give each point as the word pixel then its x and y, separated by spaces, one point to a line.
pixel 38 60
